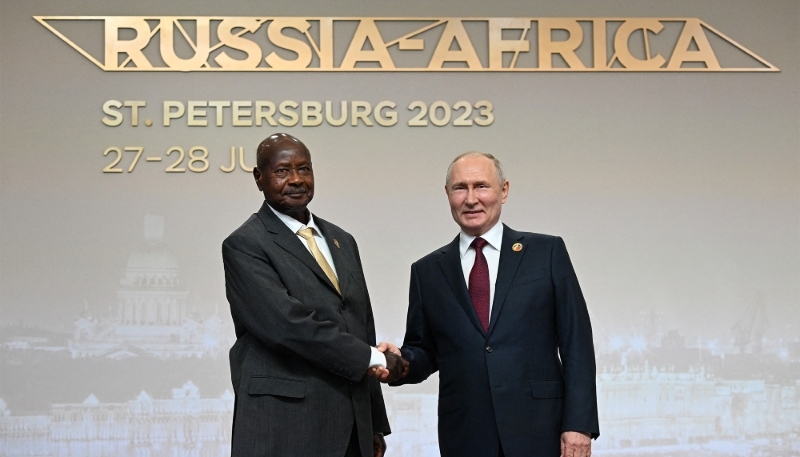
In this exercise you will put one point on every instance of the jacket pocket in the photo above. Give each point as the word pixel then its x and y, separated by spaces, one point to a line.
pixel 267 385
pixel 528 278
pixel 547 389
pixel 450 403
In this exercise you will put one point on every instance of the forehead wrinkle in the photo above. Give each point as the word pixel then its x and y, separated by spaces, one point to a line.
pixel 287 156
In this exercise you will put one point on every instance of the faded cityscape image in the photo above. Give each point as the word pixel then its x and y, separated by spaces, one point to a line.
pixel 675 192
pixel 661 392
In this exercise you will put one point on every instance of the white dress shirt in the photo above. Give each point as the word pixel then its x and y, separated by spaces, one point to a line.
pixel 494 240
pixel 376 357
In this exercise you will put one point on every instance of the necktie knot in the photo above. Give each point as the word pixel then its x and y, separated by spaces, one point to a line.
pixel 478 243
pixel 306 233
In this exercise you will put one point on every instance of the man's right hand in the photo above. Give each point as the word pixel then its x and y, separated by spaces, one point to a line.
pixel 397 366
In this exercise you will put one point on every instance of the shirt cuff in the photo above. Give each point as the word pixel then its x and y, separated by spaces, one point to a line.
pixel 377 359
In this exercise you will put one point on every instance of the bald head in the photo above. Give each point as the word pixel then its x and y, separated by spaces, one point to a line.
pixel 275 143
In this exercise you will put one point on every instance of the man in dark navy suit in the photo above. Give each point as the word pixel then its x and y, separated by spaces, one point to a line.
pixel 500 315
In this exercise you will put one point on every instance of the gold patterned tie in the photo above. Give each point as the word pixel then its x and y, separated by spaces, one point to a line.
pixel 312 244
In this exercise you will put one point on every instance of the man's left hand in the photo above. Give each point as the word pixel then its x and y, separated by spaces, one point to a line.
pixel 378 445
pixel 576 444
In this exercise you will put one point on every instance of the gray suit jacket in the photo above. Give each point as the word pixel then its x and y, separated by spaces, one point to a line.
pixel 302 349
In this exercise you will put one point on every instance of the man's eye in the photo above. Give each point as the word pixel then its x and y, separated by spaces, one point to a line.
pixel 281 171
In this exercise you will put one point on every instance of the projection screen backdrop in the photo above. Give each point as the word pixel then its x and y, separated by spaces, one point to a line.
pixel 659 139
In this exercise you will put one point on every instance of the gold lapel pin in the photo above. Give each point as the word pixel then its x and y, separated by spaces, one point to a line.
pixel 516 247
pixel 336 242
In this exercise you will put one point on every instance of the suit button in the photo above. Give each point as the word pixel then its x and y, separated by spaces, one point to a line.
pixel 489 349
pixel 343 306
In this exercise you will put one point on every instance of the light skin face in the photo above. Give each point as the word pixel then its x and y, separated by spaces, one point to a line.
pixel 475 194
pixel 286 177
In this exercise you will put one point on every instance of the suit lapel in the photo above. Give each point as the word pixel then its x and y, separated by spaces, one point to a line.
pixel 506 269
pixel 290 243
pixel 450 264
pixel 339 259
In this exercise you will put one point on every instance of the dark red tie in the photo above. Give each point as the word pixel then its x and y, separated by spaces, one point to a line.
pixel 479 283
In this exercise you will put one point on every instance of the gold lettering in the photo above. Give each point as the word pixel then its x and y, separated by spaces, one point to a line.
pixel 289 117
pixel 623 53
pixel 172 110
pixel 201 47
pixel 232 165
pixel 239 112
pixel 329 114
pixel 454 30
pixel 312 114
pixel 219 106
pixel 693 31
pixel 110 108
pixel 361 110
pixel 367 30
pixel 280 40
pixel 497 45
pixel 133 48
pixel 134 106
pixel 390 117
pixel 241 161
pixel 566 48
pixel 194 112
pixel 326 43
pixel 227 38
pixel 309 46
pixel 599 38
pixel 264 112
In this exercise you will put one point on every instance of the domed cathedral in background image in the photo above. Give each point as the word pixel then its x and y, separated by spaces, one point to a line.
pixel 152 316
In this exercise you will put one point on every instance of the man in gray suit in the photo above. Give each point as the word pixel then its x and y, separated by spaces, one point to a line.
pixel 303 367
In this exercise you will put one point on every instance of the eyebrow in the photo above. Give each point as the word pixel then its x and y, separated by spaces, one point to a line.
pixel 288 163
pixel 474 183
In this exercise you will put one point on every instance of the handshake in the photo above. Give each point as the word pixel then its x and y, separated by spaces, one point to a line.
pixel 396 366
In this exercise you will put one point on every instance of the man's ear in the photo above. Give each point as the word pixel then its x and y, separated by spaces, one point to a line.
pixel 257 176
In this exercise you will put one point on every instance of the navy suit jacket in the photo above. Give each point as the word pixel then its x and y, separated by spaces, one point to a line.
pixel 526 380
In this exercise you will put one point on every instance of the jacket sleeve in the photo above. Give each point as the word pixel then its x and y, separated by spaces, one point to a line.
pixel 261 303
pixel 575 344
pixel 419 347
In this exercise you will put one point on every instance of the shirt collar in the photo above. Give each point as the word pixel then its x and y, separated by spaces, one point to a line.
pixel 493 237
pixel 295 225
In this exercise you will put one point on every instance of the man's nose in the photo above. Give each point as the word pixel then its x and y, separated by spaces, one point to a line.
pixel 294 177
pixel 471 198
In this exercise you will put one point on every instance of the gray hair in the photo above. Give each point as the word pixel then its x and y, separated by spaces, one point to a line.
pixel 498 167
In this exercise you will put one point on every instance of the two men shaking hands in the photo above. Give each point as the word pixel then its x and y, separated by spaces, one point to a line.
pixel 497 312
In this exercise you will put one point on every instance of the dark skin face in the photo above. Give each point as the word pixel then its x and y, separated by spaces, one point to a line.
pixel 285 175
